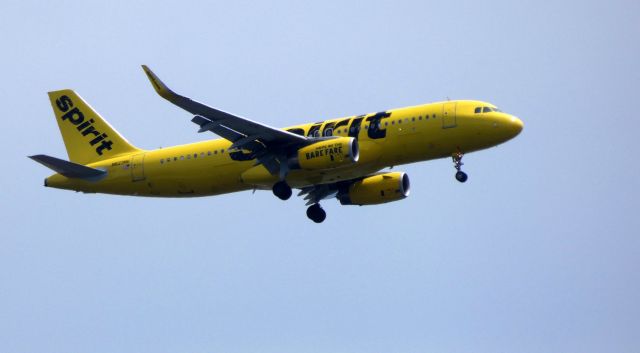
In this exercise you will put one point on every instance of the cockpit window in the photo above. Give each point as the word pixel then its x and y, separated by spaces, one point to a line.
pixel 486 110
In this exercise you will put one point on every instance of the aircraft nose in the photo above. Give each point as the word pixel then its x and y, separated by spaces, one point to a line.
pixel 515 125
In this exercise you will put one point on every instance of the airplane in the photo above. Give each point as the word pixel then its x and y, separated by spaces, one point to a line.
pixel 340 158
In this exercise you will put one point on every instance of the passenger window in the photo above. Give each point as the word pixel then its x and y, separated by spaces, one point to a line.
pixel 182 158
pixel 188 156
pixel 478 110
pixel 215 152
pixel 222 151
pixel 162 161
pixel 208 153
pixel 413 118
pixel 175 159
pixel 486 110
pixel 195 155
pixel 420 117
pixel 201 154
pixel 434 116
pixel 328 132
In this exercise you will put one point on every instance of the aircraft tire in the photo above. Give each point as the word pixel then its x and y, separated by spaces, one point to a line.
pixel 282 190
pixel 461 176
pixel 316 213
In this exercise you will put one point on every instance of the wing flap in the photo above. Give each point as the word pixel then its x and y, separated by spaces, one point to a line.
pixel 217 128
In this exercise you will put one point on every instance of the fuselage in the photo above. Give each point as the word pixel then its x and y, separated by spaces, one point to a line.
pixel 388 138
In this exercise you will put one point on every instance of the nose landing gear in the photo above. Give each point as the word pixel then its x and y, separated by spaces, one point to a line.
pixel 457 163
pixel 316 213
pixel 461 176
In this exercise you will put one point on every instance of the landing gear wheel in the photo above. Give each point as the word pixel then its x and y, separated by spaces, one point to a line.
pixel 457 163
pixel 316 213
pixel 461 176
pixel 282 190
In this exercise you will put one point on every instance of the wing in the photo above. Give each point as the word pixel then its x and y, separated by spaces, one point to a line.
pixel 316 193
pixel 267 144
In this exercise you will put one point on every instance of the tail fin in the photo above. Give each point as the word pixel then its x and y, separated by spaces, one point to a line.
pixel 87 136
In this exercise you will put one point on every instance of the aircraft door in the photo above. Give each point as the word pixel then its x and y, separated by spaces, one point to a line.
pixel 449 115
pixel 137 167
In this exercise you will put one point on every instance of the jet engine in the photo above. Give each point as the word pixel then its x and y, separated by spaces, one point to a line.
pixel 376 189
pixel 327 154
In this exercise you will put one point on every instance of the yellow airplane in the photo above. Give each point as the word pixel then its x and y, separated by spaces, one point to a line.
pixel 340 158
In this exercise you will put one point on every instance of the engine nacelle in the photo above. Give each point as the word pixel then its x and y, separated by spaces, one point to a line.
pixel 327 154
pixel 376 189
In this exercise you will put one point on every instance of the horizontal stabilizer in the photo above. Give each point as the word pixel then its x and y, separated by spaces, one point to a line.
pixel 68 169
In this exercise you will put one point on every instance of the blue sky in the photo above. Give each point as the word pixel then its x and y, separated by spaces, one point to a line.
pixel 537 252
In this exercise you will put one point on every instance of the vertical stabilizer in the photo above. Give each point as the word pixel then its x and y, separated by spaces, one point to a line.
pixel 87 136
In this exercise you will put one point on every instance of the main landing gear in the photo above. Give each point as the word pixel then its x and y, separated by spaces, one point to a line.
pixel 282 190
pixel 457 163
pixel 316 213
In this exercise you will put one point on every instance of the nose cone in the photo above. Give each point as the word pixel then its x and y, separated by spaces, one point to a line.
pixel 515 126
